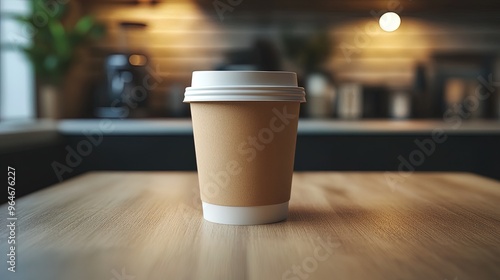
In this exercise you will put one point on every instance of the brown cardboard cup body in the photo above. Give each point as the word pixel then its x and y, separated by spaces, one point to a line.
pixel 245 151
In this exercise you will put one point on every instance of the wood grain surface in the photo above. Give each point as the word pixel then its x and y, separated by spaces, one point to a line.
pixel 149 225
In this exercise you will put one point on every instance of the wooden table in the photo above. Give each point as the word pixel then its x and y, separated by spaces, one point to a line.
pixel 149 225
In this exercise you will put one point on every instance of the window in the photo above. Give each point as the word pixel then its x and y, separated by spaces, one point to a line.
pixel 17 89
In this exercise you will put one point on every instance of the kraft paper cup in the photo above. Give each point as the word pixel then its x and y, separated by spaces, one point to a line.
pixel 245 129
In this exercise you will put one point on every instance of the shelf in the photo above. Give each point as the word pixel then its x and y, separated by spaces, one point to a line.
pixel 306 127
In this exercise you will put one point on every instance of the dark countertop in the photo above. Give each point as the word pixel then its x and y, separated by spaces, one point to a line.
pixel 16 133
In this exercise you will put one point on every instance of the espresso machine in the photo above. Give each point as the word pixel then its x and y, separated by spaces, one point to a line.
pixel 124 94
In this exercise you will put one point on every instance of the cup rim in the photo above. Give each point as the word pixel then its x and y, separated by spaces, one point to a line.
pixel 243 85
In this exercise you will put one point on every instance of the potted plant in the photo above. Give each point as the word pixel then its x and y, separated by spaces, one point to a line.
pixel 310 52
pixel 53 47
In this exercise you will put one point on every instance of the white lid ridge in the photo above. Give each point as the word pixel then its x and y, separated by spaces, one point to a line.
pixel 244 86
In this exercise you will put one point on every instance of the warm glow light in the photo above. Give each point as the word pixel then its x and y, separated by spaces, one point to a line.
pixel 389 21
pixel 137 60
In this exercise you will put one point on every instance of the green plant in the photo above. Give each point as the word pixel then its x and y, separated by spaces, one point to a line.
pixel 53 46
pixel 308 51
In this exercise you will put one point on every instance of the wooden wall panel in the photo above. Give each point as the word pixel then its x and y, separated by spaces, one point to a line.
pixel 184 35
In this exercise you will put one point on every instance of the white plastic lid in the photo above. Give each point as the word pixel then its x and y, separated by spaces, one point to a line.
pixel 244 86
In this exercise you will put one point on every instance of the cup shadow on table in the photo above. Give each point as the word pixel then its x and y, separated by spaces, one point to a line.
pixel 311 216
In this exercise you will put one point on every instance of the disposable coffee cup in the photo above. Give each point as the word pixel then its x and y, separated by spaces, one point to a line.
pixel 245 130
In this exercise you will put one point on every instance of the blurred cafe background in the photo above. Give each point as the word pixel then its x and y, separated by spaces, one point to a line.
pixel 381 76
